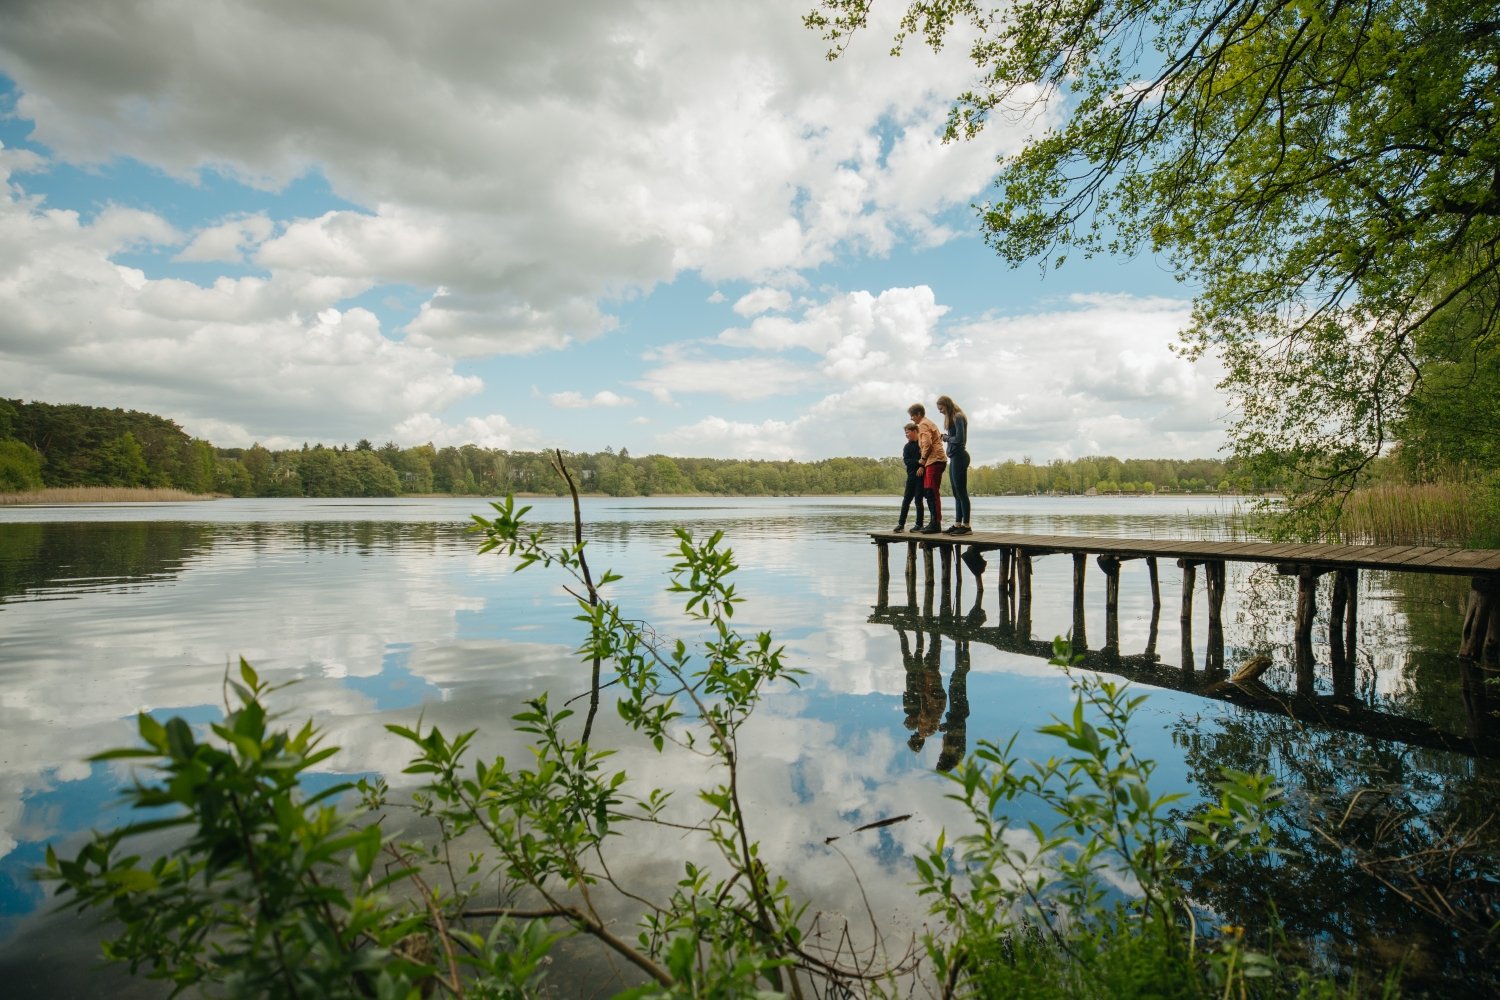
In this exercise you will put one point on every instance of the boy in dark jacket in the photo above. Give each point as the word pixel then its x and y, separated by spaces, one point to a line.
pixel 912 456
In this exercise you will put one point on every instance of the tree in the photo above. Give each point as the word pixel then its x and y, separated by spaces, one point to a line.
pixel 119 463
pixel 1322 172
pixel 20 467
pixel 1451 428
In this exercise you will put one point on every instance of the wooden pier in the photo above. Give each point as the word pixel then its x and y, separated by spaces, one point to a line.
pixel 1014 553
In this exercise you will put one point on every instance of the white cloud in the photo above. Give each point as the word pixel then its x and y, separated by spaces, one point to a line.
pixel 250 358
pixel 228 241
pixel 517 182
pixel 540 156
pixel 744 378
pixel 493 431
pixel 1098 376
pixel 763 300
pixel 770 439
pixel 577 401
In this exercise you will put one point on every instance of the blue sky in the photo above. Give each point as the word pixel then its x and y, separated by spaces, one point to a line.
pixel 670 227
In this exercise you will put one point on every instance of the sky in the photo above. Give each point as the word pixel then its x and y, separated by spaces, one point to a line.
pixel 672 227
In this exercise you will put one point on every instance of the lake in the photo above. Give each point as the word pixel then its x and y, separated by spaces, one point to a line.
pixel 382 612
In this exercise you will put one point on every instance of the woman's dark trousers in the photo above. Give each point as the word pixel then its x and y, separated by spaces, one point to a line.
pixel 958 475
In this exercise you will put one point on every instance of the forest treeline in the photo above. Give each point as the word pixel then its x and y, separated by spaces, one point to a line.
pixel 66 445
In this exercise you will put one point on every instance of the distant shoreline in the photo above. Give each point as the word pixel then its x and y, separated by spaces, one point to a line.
pixel 78 495
pixel 55 495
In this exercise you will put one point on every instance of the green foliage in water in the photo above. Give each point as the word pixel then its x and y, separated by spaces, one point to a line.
pixel 278 885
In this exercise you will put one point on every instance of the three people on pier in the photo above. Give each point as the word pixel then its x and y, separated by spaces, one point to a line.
pixel 927 453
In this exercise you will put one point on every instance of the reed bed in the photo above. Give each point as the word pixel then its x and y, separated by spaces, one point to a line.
pixel 1413 514
pixel 100 494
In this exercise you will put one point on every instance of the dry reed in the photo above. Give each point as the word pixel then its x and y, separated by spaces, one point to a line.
pixel 1410 514
pixel 100 494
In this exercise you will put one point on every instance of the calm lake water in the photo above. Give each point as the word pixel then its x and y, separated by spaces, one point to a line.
pixel 383 613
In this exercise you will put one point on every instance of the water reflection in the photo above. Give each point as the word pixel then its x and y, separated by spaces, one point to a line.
pixel 929 706
pixel 1389 852
pixel 383 611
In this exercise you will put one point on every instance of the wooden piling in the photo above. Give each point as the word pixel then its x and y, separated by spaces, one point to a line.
pixel 1477 618
pixel 1023 589
pixel 883 562
pixel 911 573
pixel 927 578
pixel 1342 610
pixel 1214 577
pixel 947 598
pixel 1307 603
pixel 1305 660
pixel 1185 619
pixel 1111 567
pixel 1080 568
pixel 1337 608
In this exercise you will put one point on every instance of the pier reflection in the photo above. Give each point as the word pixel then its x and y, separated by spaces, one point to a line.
pixel 1340 711
pixel 926 699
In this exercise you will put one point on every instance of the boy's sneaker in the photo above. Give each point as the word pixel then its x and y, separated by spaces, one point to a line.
pixel 931 529
pixel 899 528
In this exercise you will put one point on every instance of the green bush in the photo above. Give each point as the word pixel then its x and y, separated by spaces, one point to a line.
pixel 20 467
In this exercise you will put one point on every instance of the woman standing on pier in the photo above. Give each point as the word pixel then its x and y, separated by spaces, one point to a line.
pixel 957 437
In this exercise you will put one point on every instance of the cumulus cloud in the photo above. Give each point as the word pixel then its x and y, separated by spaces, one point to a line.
pixel 769 439
pixel 228 241
pixel 528 182
pixel 250 358
pixel 493 431
pixel 1096 376
pixel 554 156
pixel 763 300
pixel 577 401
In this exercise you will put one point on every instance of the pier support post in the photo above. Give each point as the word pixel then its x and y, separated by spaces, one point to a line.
pixel 1476 699
pixel 1023 601
pixel 927 578
pixel 948 574
pixel 1155 586
pixel 1307 602
pixel 883 562
pixel 1185 619
pixel 1342 618
pixel 1306 662
pixel 1478 618
pixel 911 573
pixel 1080 571
pixel 1213 573
pixel 1111 567
pixel 1342 612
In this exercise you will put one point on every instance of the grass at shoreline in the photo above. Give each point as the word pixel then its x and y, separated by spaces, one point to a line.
pixel 101 494
pixel 1416 514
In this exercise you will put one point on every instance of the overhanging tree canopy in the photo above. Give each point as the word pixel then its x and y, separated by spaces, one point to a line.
pixel 1325 173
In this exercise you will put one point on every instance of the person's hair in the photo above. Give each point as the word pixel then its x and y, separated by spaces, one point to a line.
pixel 951 410
pixel 911 426
pixel 916 410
